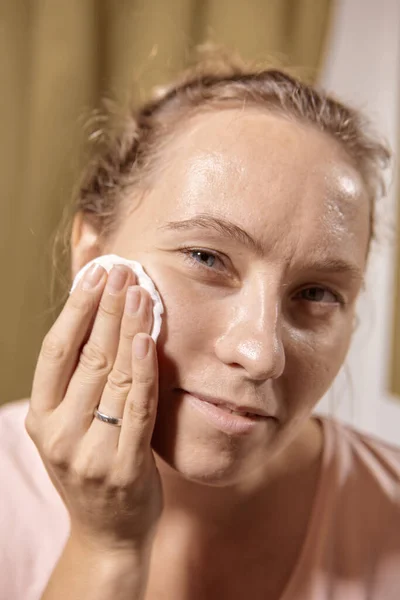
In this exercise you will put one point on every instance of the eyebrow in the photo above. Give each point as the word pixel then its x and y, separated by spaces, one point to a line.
pixel 239 235
pixel 221 226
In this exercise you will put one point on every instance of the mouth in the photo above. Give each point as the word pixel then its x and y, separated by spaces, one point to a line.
pixel 226 416
pixel 230 407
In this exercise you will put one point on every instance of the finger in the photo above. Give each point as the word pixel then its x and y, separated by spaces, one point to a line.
pixel 98 354
pixel 140 406
pixel 61 346
pixel 137 317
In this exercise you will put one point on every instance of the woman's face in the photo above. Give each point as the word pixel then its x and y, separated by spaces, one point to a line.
pixel 255 235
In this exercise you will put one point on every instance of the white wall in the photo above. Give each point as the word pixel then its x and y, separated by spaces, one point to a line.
pixel 362 66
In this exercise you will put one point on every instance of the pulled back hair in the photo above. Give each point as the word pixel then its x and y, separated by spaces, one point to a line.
pixel 127 150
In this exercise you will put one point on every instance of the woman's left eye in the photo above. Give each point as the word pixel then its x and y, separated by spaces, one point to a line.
pixel 202 258
pixel 320 295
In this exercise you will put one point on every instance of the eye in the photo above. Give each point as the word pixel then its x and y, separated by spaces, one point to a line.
pixel 202 258
pixel 320 295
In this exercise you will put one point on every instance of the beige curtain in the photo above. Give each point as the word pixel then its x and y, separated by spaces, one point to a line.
pixel 58 58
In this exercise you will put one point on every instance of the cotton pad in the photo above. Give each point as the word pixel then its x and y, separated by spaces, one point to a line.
pixel 108 261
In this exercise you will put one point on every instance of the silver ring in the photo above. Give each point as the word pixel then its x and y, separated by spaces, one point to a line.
pixel 107 419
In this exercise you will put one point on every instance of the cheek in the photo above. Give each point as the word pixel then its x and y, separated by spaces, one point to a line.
pixel 189 327
pixel 312 362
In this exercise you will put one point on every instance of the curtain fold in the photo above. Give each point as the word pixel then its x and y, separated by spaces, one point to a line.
pixel 57 61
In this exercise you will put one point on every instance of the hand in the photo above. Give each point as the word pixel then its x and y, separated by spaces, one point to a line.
pixel 105 474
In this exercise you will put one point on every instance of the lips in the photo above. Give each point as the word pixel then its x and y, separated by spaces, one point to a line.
pixel 244 410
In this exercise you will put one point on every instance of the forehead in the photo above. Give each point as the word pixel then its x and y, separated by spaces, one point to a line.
pixel 270 175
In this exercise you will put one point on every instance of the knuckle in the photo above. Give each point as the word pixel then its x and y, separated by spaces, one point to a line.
pixel 82 303
pixel 134 324
pixel 122 479
pixel 107 310
pixel 118 381
pixel 143 377
pixel 88 474
pixel 139 413
pixel 57 451
pixel 128 329
pixel 31 424
pixel 89 469
pixel 94 359
pixel 53 348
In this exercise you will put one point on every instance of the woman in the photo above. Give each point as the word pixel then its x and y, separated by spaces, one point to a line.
pixel 249 199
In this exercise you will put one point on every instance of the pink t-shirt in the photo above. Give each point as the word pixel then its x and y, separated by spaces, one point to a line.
pixel 351 550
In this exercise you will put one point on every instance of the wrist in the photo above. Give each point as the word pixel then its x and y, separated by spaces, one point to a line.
pixel 107 551
pixel 98 571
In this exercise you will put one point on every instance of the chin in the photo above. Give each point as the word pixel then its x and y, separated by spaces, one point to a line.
pixel 197 459
pixel 213 461
pixel 211 471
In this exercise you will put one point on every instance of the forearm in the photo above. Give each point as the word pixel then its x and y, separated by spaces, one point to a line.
pixel 83 573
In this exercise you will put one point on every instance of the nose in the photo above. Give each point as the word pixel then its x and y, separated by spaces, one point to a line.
pixel 252 338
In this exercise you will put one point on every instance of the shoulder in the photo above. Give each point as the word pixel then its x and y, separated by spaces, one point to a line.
pixel 354 534
pixel 366 459
pixel 20 461
pixel 12 418
pixel 15 443
pixel 361 491
pixel 33 520
pixel 352 546
pixel 22 472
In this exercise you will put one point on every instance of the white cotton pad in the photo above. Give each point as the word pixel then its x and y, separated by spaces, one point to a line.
pixel 108 261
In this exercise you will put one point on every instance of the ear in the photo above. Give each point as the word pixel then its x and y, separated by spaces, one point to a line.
pixel 85 243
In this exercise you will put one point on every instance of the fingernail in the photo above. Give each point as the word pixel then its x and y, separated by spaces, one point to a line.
pixel 92 277
pixel 132 300
pixel 140 345
pixel 116 279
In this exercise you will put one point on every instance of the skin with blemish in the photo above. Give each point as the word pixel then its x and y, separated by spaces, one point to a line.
pixel 247 328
